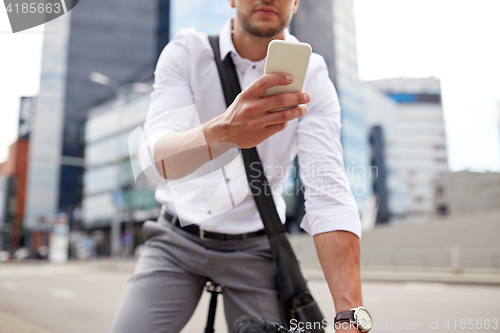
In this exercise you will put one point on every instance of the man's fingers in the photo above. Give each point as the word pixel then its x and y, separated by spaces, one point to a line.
pixel 259 87
pixel 282 100
pixel 283 116
pixel 276 128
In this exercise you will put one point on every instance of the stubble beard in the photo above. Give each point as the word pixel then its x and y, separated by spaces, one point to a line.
pixel 255 30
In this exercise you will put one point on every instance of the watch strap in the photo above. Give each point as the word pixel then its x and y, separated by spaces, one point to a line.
pixel 344 316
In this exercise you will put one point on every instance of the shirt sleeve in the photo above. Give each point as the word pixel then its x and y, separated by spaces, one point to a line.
pixel 172 103
pixel 329 203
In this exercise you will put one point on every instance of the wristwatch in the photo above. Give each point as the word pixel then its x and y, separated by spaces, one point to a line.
pixel 358 317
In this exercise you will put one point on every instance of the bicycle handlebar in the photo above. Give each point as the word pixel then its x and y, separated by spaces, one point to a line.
pixel 252 324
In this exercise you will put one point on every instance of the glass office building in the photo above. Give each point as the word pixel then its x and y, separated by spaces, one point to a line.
pixel 383 112
pixel 110 191
pixel 120 39
pixel 418 153
pixel 5 230
pixel 337 44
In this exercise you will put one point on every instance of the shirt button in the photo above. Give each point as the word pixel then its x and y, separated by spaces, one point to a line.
pixel 253 66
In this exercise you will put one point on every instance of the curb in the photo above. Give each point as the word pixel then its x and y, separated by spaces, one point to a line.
pixel 466 277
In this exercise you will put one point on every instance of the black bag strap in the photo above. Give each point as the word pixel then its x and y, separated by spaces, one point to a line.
pixel 253 166
pixel 296 301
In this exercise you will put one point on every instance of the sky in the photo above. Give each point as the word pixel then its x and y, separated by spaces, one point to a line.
pixel 454 40
pixel 20 62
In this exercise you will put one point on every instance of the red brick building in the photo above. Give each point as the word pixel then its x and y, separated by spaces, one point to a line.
pixel 15 168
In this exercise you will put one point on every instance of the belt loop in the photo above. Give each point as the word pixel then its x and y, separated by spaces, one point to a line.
pixel 163 212
pixel 174 220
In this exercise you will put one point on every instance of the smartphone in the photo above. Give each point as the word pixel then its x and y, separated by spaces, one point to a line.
pixel 291 58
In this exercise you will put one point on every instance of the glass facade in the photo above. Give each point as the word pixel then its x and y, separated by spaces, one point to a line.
pixel 355 139
pixel 46 138
pixel 5 226
pixel 130 45
pixel 418 154
pixel 120 39
pixel 337 44
pixel 109 188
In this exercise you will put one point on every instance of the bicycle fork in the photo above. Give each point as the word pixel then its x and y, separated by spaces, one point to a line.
pixel 215 290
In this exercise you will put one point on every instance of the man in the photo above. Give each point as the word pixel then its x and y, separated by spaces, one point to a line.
pixel 171 272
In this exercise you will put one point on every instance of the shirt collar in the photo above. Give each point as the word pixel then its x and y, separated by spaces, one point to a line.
pixel 226 41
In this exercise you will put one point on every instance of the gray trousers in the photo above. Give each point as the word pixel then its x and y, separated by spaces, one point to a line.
pixel 170 276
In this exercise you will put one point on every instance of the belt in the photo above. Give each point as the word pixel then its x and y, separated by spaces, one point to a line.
pixel 209 235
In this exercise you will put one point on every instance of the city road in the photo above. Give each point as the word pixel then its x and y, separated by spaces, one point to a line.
pixel 83 297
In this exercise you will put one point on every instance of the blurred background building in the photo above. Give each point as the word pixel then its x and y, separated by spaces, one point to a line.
pixel 119 39
pixel 389 181
pixel 111 195
pixel 498 116
pixel 337 44
pixel 466 192
pixel 415 143
pixel 13 181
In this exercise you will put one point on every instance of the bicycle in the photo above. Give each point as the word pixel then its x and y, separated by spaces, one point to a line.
pixel 244 324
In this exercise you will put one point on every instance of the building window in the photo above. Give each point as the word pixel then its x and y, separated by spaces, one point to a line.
pixel 442 210
pixel 439 147
pixel 439 191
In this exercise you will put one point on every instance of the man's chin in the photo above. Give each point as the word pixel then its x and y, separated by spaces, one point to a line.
pixel 265 30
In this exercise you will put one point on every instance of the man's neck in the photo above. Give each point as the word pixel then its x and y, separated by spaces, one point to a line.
pixel 250 46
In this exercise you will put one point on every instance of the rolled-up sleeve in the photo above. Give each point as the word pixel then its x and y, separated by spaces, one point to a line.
pixel 172 104
pixel 329 203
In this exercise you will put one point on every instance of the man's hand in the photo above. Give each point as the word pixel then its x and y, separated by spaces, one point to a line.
pixel 247 122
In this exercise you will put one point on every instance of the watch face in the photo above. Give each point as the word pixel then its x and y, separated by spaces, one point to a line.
pixel 363 319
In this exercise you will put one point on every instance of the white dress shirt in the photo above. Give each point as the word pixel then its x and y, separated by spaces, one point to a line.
pixel 187 93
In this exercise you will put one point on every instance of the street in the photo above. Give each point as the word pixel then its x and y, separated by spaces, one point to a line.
pixel 83 297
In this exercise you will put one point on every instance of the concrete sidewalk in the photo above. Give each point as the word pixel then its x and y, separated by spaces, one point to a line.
pixel 82 297
pixel 11 324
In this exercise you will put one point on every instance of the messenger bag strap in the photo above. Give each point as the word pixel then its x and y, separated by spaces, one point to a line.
pixel 253 166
